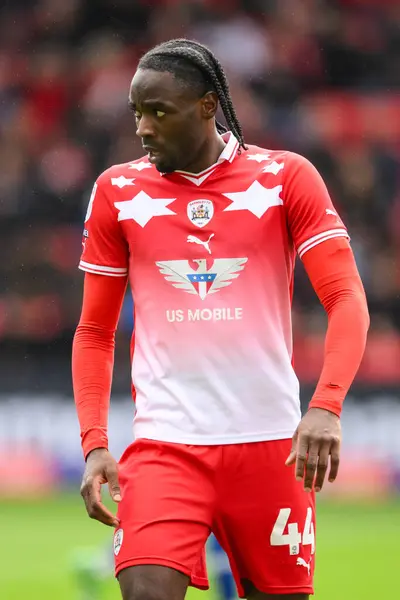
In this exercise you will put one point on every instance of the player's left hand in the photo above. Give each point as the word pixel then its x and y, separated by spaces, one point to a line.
pixel 317 438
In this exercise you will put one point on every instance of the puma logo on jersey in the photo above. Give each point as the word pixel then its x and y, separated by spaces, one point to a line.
pixel 302 563
pixel 195 240
pixel 330 212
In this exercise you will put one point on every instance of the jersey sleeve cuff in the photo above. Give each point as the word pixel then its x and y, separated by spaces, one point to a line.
pixel 321 237
pixel 334 406
pixel 103 270
pixel 92 439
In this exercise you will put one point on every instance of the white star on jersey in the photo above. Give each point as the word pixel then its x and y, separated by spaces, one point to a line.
pixel 142 208
pixel 258 157
pixel 140 165
pixel 273 168
pixel 122 181
pixel 257 199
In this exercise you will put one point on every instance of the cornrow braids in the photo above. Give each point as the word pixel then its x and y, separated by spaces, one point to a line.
pixel 199 68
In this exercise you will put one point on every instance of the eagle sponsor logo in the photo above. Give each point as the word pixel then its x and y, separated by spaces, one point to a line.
pixel 202 280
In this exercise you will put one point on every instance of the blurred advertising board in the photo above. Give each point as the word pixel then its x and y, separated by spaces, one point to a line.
pixel 40 445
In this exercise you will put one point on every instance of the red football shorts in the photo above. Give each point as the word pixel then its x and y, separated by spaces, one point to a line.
pixel 174 495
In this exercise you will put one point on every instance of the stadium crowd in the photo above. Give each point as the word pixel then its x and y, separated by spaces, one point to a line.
pixel 319 77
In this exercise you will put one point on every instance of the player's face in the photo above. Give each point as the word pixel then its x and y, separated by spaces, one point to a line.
pixel 171 121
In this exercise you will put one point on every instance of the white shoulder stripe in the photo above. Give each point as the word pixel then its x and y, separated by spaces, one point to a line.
pixel 319 236
pixel 322 237
pixel 102 272
pixel 100 269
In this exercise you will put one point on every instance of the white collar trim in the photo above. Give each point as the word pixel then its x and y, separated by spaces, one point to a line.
pixel 228 153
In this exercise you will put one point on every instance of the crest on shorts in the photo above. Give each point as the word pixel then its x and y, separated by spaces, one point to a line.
pixel 118 538
pixel 200 212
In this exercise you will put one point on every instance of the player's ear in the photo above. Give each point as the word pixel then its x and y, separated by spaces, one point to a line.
pixel 209 105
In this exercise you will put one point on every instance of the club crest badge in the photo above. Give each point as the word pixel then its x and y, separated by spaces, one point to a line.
pixel 200 212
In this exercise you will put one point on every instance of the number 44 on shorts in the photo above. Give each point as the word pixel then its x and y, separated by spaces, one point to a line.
pixel 293 538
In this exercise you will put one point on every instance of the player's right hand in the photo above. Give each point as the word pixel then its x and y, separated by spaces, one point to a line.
pixel 101 468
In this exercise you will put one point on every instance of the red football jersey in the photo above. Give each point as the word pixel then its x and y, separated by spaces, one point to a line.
pixel 210 259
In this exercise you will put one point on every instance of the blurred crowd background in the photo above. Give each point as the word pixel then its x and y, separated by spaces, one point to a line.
pixel 320 77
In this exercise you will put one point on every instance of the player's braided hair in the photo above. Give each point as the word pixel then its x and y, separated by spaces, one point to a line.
pixel 196 66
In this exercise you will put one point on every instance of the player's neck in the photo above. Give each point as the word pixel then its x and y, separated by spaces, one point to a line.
pixel 208 154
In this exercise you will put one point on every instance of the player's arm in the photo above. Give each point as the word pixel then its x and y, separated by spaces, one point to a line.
pixel 92 368
pixel 322 243
pixel 105 260
pixel 333 273
pixel 93 356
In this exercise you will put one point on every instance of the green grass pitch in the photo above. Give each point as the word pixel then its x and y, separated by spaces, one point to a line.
pixel 358 550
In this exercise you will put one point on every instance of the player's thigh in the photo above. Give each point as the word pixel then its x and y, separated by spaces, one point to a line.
pixel 266 522
pixel 251 593
pixel 256 595
pixel 166 508
pixel 152 582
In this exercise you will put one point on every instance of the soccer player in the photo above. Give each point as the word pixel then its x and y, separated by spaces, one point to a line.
pixel 206 229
